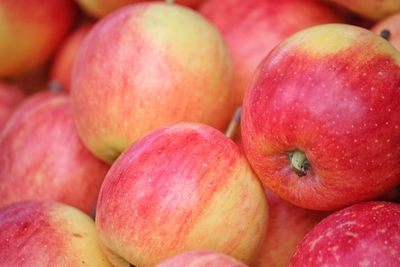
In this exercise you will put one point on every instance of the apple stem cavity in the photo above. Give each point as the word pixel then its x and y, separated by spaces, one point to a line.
pixel 385 34
pixel 234 124
pixel 299 162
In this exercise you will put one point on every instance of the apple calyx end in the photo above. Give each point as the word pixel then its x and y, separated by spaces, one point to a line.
pixel 299 162
pixel 385 34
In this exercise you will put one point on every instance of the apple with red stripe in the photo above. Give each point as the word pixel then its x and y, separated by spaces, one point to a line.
pixel 321 119
pixel 182 187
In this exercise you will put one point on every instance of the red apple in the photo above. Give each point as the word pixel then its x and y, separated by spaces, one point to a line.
pixel 10 97
pixel 145 66
pixel 321 119
pixel 61 69
pixel 365 234
pixel 100 8
pixel 182 187
pixel 42 157
pixel 38 233
pixel 287 226
pixel 253 27
pixel 389 29
pixel 30 31
pixel 201 259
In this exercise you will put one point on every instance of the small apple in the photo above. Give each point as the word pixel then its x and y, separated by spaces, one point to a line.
pixel 181 187
pixel 365 234
pixel 30 31
pixel 321 119
pixel 389 29
pixel 201 259
pixel 43 233
pixel 42 157
pixel 10 97
pixel 145 66
pixel 252 28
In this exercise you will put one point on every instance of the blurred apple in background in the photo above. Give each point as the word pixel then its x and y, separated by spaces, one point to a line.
pixel 182 187
pixel 201 259
pixel 365 234
pixel 321 119
pixel 30 31
pixel 253 27
pixel 389 29
pixel 372 9
pixel 100 8
pixel 36 233
pixel 42 157
pixel 10 97
pixel 145 66
pixel 61 69
pixel 287 226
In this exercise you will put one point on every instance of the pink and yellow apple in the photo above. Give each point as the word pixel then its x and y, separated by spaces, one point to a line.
pixel 145 66
pixel 10 97
pixel 182 187
pixel 201 259
pixel 321 119
pixel 30 31
pixel 252 28
pixel 365 234
pixel 42 156
pixel 389 29
pixel 39 233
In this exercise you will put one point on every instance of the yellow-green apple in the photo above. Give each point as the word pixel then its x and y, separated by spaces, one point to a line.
pixel 172 190
pixel 143 67
pixel 287 226
pixel 45 233
pixel 100 8
pixel 201 258
pixel 30 31
pixel 10 97
pixel 42 156
pixel 252 28
pixel 364 234
pixel 321 119
pixel 389 29
pixel 371 9
pixel 61 68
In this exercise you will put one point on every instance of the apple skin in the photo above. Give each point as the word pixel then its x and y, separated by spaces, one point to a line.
pixel 61 69
pixel 331 92
pixel 167 192
pixel 201 259
pixel 365 234
pixel 252 28
pixel 29 32
pixel 392 24
pixel 101 8
pixel 10 97
pixel 287 226
pixel 372 9
pixel 42 157
pixel 142 67
pixel 45 233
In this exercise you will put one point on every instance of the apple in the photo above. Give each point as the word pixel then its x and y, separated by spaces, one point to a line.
pixel 100 8
pixel 201 259
pixel 389 29
pixel 182 187
pixel 320 121
pixel 42 156
pixel 252 28
pixel 61 68
pixel 372 9
pixel 364 234
pixel 145 66
pixel 287 226
pixel 10 97
pixel 30 31
pixel 45 233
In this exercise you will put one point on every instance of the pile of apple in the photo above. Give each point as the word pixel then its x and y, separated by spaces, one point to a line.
pixel 200 133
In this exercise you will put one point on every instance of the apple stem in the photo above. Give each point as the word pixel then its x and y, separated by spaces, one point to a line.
pixel 234 123
pixel 299 162
pixel 385 34
pixel 169 2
